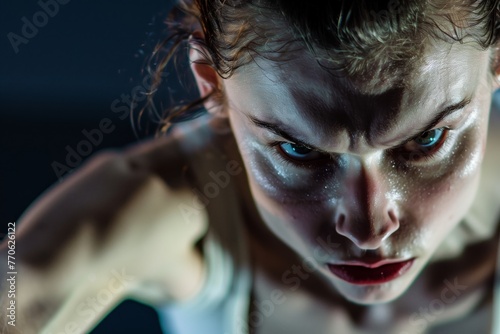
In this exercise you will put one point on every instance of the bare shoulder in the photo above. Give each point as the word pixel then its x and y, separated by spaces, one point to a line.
pixel 97 192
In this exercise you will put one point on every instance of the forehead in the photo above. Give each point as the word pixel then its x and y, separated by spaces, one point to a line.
pixel 303 95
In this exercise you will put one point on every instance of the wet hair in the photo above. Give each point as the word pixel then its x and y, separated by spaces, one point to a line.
pixel 352 37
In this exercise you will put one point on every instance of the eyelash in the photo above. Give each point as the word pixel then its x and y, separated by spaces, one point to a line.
pixel 288 161
pixel 436 152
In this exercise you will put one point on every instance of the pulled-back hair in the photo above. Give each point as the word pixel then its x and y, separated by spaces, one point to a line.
pixel 352 37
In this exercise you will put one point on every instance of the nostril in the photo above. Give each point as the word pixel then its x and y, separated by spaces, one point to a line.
pixel 340 221
pixel 392 216
pixel 393 223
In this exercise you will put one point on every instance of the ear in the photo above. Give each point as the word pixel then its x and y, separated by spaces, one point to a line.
pixel 207 78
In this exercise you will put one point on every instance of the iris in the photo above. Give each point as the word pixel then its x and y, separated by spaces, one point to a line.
pixel 299 152
pixel 430 138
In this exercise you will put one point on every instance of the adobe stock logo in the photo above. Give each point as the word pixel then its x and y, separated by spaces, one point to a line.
pixel 220 180
pixel 30 28
pixel 419 322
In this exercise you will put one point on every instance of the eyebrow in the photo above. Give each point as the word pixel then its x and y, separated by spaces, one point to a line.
pixel 439 117
pixel 280 130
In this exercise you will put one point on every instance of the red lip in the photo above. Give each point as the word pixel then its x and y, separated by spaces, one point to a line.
pixel 366 274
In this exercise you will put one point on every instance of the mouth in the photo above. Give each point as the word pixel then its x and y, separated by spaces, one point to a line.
pixel 361 273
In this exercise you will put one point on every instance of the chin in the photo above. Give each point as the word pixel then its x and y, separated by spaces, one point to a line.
pixel 372 294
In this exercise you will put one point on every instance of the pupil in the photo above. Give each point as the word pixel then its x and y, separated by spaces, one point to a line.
pixel 428 138
pixel 299 149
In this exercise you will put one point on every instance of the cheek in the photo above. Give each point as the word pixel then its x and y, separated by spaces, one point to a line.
pixel 292 204
pixel 439 197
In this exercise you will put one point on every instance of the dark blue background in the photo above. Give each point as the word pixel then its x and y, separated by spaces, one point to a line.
pixel 61 82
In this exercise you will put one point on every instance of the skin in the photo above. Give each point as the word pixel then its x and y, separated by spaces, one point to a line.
pixel 366 201
pixel 363 192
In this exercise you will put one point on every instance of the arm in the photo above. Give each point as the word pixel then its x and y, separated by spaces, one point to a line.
pixel 111 230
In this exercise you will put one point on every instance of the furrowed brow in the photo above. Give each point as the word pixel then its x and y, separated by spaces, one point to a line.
pixel 281 131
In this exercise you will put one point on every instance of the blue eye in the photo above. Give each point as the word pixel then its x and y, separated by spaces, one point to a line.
pixel 426 146
pixel 299 152
pixel 430 138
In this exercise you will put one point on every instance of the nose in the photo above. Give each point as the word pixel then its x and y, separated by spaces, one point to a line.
pixel 366 214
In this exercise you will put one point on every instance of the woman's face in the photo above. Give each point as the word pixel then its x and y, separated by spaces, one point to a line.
pixel 354 176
